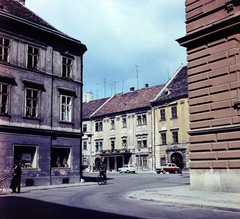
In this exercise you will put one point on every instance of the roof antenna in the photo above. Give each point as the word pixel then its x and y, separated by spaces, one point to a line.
pixel 137 76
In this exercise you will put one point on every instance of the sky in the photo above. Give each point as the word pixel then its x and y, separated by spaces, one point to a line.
pixel 130 42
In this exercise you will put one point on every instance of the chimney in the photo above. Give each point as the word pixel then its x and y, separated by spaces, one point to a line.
pixel 131 88
pixel 146 85
pixel 22 2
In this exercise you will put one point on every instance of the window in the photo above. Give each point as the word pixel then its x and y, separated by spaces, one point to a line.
pixel 60 157
pixel 175 137
pixel 112 145
pixel 84 145
pixel 142 142
pixel 141 119
pixel 124 122
pixel 26 155
pixel 31 103
pixel 98 126
pixel 66 67
pixel 124 143
pixel 112 124
pixel 164 139
pixel 84 161
pixel 84 127
pixel 162 114
pixel 4 96
pixel 174 112
pixel 4 49
pixel 66 108
pixel 142 160
pixel 33 57
pixel 98 146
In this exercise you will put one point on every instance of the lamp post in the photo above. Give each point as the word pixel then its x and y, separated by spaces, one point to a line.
pixel 90 154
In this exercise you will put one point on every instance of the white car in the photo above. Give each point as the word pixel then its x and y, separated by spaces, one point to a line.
pixel 127 169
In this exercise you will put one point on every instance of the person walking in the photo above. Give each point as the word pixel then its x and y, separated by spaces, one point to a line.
pixel 16 180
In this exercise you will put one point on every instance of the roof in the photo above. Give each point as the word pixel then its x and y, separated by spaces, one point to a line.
pixel 176 87
pixel 88 108
pixel 15 8
pixel 129 101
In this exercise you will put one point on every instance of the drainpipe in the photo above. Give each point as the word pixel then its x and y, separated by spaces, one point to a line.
pixel 153 138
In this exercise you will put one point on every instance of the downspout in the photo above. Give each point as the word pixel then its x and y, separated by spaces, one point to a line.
pixel 153 137
pixel 81 134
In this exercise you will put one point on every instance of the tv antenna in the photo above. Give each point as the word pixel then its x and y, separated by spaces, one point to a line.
pixel 137 76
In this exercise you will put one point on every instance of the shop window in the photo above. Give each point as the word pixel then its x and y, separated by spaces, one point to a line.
pixel 174 112
pixel 4 98
pixel 26 155
pixel 66 108
pixel 60 157
pixel 31 103
pixel 163 138
pixel 66 67
pixel 4 49
pixel 162 114
pixel 32 57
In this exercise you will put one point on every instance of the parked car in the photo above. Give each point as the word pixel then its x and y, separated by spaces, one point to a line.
pixel 168 167
pixel 127 169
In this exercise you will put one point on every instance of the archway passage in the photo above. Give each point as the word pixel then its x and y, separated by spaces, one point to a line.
pixel 177 158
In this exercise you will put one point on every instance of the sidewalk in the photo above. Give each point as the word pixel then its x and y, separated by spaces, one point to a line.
pixel 183 196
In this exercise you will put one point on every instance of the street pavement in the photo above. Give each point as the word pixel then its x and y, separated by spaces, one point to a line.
pixel 179 196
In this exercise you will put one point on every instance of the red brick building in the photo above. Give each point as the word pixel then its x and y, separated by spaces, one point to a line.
pixel 212 42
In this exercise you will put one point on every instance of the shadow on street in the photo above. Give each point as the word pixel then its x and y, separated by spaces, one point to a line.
pixel 17 207
pixel 93 179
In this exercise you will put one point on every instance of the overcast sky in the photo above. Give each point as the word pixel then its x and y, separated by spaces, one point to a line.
pixel 130 42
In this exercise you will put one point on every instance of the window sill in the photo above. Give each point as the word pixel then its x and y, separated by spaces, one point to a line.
pixel 32 118
pixel 66 122
pixel 65 168
pixel 5 115
pixel 174 118
pixel 162 120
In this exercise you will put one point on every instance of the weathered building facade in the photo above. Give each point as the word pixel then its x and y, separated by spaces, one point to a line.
pixel 212 42
pixel 171 121
pixel 41 96
pixel 118 130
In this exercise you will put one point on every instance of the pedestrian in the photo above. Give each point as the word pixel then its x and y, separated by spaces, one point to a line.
pixel 102 170
pixel 16 180
pixel 180 167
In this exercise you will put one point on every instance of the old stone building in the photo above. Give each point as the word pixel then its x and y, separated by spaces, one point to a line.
pixel 41 96
pixel 171 121
pixel 118 130
pixel 212 42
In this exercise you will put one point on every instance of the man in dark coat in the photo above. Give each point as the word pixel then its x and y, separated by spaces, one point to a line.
pixel 16 180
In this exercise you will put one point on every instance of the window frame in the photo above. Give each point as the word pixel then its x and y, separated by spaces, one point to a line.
pixel 112 124
pixel 174 137
pixel 85 145
pixel 6 111
pixel 70 114
pixel 174 112
pixel 164 138
pixel 124 122
pixel 66 69
pixel 27 151
pixel 4 49
pixel 84 127
pixel 69 157
pixel 32 99
pixel 163 114
pixel 98 126
pixel 141 119
pixel 142 141
pixel 98 146
pixel 34 63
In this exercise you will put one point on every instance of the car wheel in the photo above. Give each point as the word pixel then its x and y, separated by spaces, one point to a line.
pixel 158 172
pixel 127 171
pixel 120 171
pixel 164 171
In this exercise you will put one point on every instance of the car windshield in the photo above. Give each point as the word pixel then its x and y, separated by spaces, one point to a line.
pixel 164 164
